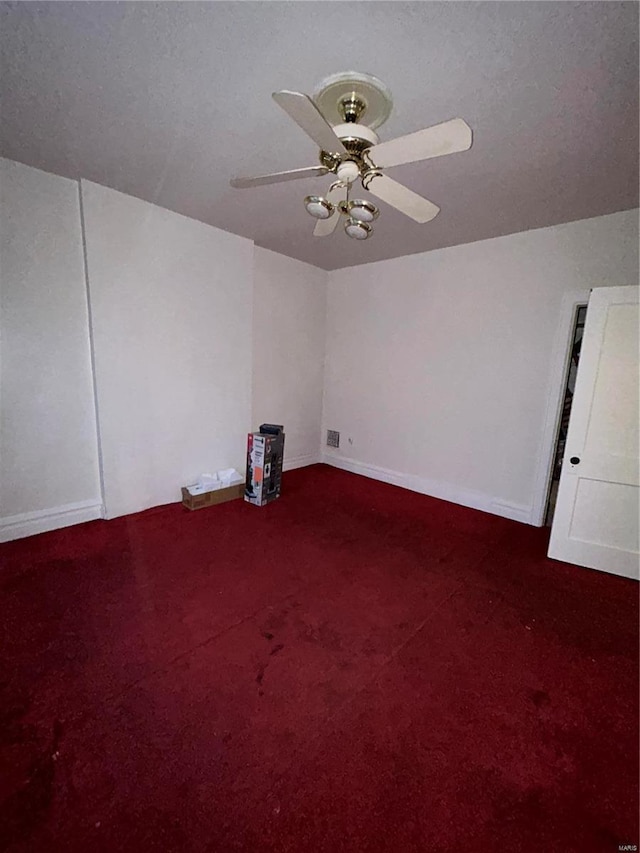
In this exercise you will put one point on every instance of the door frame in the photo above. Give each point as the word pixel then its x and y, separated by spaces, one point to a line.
pixel 555 397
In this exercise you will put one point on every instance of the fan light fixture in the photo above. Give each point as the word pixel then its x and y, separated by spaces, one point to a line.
pixel 361 210
pixel 359 213
pixel 341 119
pixel 318 207
pixel 357 230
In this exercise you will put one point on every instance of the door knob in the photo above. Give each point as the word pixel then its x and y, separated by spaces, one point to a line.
pixel 575 460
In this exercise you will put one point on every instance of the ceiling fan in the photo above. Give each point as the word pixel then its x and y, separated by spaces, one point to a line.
pixel 341 119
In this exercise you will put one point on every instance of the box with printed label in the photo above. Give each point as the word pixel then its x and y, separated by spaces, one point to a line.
pixel 265 452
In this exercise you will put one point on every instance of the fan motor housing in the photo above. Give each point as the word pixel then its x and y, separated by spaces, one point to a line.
pixel 356 138
pixel 358 134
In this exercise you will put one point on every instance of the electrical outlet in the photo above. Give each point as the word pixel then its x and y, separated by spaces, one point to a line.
pixel 333 438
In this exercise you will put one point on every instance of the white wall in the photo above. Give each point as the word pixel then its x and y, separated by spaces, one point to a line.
pixel 171 304
pixel 438 365
pixel 48 450
pixel 289 310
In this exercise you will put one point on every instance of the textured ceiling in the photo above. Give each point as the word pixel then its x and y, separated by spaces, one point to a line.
pixel 168 101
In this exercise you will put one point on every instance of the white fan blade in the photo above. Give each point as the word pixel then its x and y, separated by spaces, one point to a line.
pixel 325 227
pixel 276 177
pixel 306 115
pixel 446 138
pixel 403 199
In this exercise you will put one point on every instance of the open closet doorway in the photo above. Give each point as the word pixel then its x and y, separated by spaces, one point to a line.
pixel 580 317
pixel 595 522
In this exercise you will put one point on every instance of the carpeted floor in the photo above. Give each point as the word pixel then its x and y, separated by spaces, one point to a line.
pixel 353 668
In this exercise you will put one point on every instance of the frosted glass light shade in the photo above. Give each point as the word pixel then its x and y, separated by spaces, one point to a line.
pixel 357 230
pixel 318 207
pixel 362 211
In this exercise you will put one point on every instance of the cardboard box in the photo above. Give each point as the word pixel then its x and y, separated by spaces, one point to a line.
pixel 265 454
pixel 218 496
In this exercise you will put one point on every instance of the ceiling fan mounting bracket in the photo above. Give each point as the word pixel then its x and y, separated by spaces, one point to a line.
pixel 330 161
pixel 352 96
pixel 368 174
pixel 352 107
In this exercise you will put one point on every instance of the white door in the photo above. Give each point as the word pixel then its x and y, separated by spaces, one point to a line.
pixel 596 517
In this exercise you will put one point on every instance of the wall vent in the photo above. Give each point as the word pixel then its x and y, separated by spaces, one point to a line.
pixel 333 438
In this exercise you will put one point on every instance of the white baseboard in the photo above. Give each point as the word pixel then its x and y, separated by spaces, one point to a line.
pixel 291 462
pixel 30 523
pixel 433 488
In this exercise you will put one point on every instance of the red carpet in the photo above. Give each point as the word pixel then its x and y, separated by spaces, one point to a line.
pixel 353 668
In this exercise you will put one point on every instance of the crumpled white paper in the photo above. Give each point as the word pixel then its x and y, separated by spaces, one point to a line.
pixel 221 479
